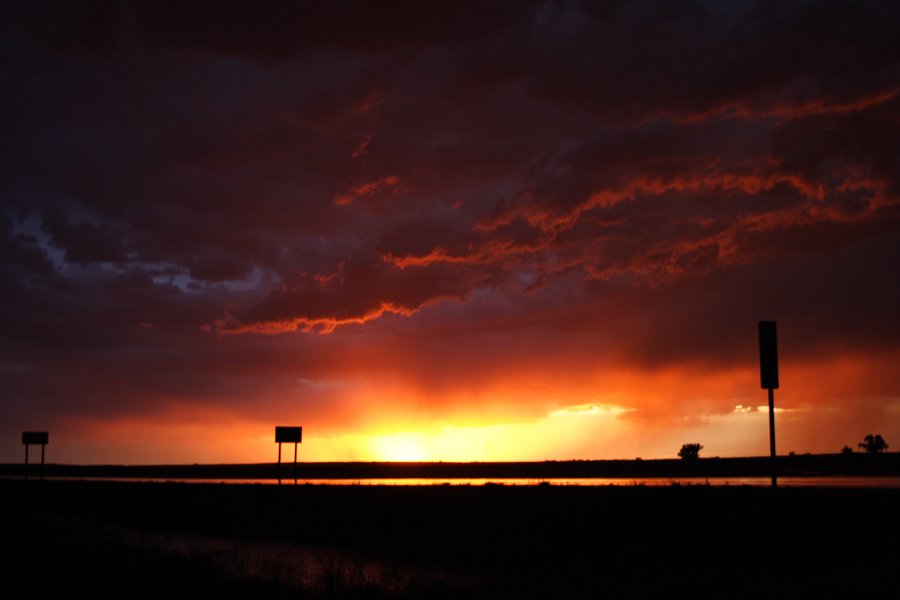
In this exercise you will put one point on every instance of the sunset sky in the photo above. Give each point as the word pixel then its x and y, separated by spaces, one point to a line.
pixel 447 230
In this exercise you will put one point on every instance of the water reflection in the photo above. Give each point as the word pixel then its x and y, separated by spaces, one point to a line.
pixel 829 482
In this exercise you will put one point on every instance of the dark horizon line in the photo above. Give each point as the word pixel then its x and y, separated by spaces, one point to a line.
pixel 886 464
pixel 285 464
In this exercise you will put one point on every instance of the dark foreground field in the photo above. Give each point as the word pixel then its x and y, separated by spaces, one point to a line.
pixel 115 539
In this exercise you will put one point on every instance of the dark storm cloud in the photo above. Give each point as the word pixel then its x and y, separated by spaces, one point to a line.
pixel 272 30
pixel 83 242
pixel 219 266
pixel 655 174
pixel 281 29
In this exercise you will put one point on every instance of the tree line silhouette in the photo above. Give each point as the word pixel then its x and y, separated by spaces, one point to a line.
pixel 871 444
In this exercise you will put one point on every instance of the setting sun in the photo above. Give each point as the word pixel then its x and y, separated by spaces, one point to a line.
pixel 403 447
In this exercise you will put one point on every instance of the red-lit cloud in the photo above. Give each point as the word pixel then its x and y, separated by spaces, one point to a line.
pixel 367 190
pixel 434 217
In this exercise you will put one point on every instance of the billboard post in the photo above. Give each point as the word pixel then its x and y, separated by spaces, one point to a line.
pixel 288 435
pixel 35 437
pixel 768 378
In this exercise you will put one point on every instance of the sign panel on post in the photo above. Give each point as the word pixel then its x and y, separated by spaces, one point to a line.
pixel 768 356
pixel 35 437
pixel 288 435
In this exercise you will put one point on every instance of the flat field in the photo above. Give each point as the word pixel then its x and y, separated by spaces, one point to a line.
pixel 110 539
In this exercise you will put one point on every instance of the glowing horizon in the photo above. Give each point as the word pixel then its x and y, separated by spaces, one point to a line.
pixel 573 431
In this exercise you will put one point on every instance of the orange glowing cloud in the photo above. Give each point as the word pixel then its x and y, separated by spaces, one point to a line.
pixel 606 199
pixel 782 110
pixel 367 190
pixel 322 325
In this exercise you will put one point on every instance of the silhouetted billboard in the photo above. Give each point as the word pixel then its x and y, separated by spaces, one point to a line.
pixel 768 356
pixel 35 437
pixel 288 435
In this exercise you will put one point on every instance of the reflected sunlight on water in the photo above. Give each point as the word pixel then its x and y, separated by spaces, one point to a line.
pixel 830 482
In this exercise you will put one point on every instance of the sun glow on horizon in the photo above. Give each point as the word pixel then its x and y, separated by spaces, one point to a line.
pixel 399 447
pixel 622 415
pixel 562 430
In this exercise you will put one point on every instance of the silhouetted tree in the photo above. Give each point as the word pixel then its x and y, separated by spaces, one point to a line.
pixel 874 444
pixel 690 451
pixel 846 450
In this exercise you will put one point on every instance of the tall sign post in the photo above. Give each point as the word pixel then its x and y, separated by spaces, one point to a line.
pixel 35 437
pixel 768 378
pixel 288 435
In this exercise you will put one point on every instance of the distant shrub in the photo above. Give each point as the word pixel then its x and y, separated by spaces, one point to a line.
pixel 690 451
pixel 874 444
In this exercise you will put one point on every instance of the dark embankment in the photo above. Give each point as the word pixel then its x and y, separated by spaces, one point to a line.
pixel 803 465
pixel 156 539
